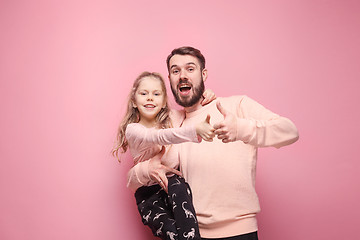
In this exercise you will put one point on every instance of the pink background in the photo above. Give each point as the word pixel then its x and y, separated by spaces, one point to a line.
pixel 67 66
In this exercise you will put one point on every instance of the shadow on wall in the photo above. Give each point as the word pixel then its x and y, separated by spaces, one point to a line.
pixel 127 212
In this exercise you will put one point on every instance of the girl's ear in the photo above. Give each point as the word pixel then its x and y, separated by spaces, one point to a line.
pixel 134 105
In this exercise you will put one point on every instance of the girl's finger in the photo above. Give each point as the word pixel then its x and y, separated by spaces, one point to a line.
pixel 226 140
pixel 219 132
pixel 218 125
pixel 221 136
pixel 204 102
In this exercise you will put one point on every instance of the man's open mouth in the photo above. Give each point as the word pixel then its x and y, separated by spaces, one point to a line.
pixel 184 88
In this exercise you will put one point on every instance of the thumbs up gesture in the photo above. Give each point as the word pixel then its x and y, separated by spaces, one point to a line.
pixel 226 130
pixel 205 130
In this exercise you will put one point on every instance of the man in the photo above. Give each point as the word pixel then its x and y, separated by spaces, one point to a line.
pixel 221 173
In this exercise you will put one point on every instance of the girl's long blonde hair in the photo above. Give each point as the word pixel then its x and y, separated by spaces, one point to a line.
pixel 133 116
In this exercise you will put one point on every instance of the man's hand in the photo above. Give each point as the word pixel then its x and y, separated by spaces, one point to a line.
pixel 158 171
pixel 208 96
pixel 227 129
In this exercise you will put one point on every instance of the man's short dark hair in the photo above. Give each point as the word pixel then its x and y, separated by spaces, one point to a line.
pixel 187 51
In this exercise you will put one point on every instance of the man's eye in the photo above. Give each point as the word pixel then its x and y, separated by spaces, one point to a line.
pixel 175 71
pixel 191 69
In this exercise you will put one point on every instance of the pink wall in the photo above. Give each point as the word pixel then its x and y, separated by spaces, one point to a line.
pixel 66 68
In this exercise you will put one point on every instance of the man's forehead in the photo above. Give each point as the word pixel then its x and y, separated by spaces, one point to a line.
pixel 183 60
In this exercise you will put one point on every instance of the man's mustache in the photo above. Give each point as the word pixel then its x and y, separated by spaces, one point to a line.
pixel 184 82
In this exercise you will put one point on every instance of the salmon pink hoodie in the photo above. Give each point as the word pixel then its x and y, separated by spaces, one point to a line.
pixel 222 175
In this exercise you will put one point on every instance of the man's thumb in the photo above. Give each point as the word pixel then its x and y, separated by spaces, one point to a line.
pixel 221 109
pixel 161 153
pixel 157 157
pixel 207 120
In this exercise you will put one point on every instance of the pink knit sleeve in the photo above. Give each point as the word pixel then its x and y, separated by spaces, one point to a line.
pixel 139 134
pixel 138 176
pixel 144 144
pixel 260 127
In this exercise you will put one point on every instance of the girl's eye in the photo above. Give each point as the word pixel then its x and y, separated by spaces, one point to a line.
pixel 143 93
pixel 157 94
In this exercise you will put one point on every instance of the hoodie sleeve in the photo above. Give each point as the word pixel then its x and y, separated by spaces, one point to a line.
pixel 139 134
pixel 260 127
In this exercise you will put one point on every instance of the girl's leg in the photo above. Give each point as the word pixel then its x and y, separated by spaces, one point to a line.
pixel 184 213
pixel 248 236
pixel 154 209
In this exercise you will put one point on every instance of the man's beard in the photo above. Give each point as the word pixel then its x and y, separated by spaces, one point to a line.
pixel 189 101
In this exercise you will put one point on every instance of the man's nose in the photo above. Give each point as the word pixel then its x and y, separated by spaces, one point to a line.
pixel 183 75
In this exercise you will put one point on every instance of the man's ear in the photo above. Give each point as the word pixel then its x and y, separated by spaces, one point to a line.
pixel 204 74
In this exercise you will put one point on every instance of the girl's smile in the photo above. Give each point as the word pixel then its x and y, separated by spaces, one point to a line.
pixel 149 99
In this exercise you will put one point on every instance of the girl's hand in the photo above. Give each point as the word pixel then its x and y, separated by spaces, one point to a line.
pixel 205 130
pixel 208 96
pixel 158 171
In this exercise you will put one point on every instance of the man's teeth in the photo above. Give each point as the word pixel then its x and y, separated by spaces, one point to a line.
pixel 184 87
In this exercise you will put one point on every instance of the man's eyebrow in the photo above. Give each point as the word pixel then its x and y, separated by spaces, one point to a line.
pixel 189 63
pixel 172 66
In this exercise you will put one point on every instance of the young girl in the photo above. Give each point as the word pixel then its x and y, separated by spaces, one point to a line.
pixel 144 128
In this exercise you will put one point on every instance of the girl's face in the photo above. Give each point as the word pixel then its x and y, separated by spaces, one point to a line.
pixel 149 99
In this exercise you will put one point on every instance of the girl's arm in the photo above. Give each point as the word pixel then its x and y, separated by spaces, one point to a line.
pixel 139 134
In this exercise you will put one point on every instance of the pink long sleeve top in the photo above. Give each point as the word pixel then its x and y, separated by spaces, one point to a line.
pixel 145 143
pixel 222 175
